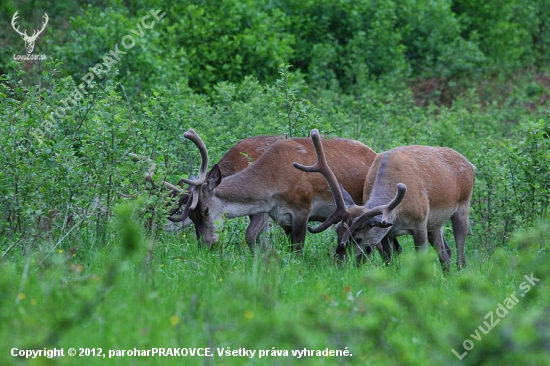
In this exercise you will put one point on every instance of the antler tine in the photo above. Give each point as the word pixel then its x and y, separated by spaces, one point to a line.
pixel 13 19
pixel 46 18
pixel 322 167
pixel 135 157
pixel 187 206
pixel 383 210
pixel 172 187
pixel 36 32
pixel 43 24
pixel 195 138
pixel 130 196
pixel 188 199
pixel 401 191
pixel 150 171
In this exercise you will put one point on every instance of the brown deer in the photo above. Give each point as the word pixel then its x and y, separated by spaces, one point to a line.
pixel 239 157
pixel 434 184
pixel 291 198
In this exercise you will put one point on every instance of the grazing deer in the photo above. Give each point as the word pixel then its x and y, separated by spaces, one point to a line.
pixel 266 187
pixel 29 40
pixel 434 184
pixel 239 157
pixel 291 198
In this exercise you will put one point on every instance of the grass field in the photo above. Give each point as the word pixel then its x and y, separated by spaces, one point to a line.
pixel 133 294
pixel 84 269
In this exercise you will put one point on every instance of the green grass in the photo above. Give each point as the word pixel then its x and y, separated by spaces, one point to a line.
pixel 114 298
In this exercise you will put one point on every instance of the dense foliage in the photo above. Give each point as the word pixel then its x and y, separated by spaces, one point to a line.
pixel 82 262
pixel 334 44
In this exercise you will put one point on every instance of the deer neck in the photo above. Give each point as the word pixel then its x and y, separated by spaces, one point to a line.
pixel 243 195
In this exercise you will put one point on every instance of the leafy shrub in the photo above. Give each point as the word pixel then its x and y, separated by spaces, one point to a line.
pixel 433 39
pixel 340 43
pixel 227 41
pixel 67 161
pixel 504 30
pixel 512 189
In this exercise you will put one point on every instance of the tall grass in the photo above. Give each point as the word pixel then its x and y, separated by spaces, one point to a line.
pixel 115 298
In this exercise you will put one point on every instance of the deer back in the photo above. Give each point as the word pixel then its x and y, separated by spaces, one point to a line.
pixel 438 181
pixel 274 176
pixel 435 176
pixel 244 153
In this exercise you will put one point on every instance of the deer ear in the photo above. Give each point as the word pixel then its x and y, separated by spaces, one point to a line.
pixel 214 177
pixel 347 197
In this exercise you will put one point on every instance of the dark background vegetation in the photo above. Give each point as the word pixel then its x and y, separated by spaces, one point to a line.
pixel 471 75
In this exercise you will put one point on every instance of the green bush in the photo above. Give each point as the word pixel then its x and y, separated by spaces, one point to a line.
pixel 67 161
pixel 505 30
pixel 433 39
pixel 512 189
pixel 338 43
pixel 227 41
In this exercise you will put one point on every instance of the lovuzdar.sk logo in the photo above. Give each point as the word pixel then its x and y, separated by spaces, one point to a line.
pixel 29 40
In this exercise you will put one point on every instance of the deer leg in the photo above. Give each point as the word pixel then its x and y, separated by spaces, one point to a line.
pixel 288 230
pixel 420 238
pixel 264 238
pixel 447 247
pixel 460 229
pixel 258 223
pixel 385 249
pixel 440 245
pixel 396 246
pixel 298 235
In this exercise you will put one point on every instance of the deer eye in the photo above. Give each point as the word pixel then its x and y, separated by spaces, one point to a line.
pixel 206 212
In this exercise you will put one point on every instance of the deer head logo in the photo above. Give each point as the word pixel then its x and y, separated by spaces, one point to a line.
pixel 29 40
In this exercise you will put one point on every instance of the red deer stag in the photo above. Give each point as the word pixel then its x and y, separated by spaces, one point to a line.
pixel 239 157
pixel 291 198
pixel 434 184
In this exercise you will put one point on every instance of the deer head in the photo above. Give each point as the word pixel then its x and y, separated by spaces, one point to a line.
pixel 243 154
pixel 29 40
pixel 347 215
pixel 188 202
